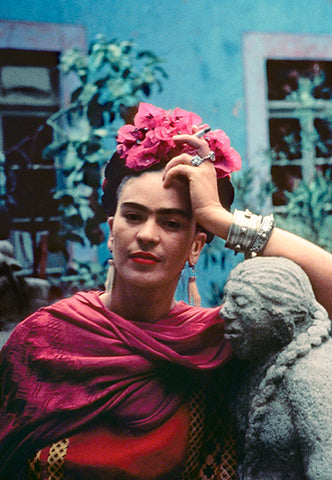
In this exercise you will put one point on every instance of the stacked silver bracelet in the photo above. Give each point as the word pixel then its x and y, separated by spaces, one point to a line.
pixel 249 233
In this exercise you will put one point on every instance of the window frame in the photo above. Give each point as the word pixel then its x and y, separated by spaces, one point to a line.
pixel 47 37
pixel 51 37
pixel 257 49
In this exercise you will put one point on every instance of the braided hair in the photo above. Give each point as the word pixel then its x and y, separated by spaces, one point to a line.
pixel 307 323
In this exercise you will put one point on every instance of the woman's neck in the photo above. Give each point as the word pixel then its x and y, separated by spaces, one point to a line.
pixel 139 304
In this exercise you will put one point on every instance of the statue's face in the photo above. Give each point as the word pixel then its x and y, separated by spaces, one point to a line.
pixel 248 323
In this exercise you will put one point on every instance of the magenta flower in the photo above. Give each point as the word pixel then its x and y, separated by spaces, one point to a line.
pixel 184 121
pixel 150 139
pixel 148 116
pixel 228 160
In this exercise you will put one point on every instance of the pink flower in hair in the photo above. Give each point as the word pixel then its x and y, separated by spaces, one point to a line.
pixel 128 135
pixel 228 160
pixel 150 139
pixel 184 121
pixel 148 116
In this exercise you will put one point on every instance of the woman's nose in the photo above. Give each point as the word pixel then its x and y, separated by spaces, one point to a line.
pixel 148 232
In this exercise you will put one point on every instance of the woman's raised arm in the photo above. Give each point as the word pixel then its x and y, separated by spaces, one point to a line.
pixel 211 215
pixel 316 262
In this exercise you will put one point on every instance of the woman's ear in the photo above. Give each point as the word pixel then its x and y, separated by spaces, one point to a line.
pixel 110 238
pixel 196 247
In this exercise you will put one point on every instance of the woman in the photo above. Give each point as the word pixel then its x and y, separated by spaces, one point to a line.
pixel 129 383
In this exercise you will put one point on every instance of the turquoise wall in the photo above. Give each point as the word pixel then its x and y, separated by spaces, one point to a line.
pixel 201 42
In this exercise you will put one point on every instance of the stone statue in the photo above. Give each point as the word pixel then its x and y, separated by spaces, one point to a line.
pixel 283 408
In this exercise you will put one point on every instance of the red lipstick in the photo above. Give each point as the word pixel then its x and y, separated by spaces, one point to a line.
pixel 144 258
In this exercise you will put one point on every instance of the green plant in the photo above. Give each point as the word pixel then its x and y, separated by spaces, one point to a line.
pixel 251 189
pixel 113 77
pixel 308 212
pixel 308 208
pixel 86 276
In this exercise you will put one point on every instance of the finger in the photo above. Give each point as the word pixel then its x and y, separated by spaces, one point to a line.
pixel 198 142
pixel 176 171
pixel 184 159
pixel 197 128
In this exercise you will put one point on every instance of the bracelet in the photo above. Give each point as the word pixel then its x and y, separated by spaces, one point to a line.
pixel 249 233
pixel 262 237
pixel 243 230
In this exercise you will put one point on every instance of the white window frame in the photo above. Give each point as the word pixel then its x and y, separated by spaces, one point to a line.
pixel 257 49
pixel 49 37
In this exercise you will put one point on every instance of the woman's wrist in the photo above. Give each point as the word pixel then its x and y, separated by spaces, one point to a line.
pixel 217 221
pixel 249 233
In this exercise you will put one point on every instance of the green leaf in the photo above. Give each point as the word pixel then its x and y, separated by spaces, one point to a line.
pixel 66 198
pixel 71 158
pixel 54 149
pixel 74 237
pixel 87 93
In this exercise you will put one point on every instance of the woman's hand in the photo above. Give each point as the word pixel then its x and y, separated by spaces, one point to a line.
pixel 207 209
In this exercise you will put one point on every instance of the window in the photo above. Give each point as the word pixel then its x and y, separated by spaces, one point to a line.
pixel 288 80
pixel 30 91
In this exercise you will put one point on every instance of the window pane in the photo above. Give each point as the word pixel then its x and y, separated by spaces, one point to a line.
pixel 323 145
pixel 29 78
pixel 285 178
pixel 24 138
pixel 30 179
pixel 31 192
pixel 284 78
pixel 285 138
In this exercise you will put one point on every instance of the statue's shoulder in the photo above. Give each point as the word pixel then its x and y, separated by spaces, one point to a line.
pixel 311 375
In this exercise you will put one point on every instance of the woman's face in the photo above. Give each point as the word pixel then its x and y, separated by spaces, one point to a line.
pixel 153 233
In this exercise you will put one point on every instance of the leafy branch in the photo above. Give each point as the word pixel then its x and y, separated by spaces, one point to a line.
pixel 112 78
pixel 308 212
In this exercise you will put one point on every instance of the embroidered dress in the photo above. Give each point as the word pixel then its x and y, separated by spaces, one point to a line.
pixel 216 461
pixel 76 364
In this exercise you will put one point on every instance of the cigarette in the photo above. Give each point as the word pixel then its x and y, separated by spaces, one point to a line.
pixel 202 132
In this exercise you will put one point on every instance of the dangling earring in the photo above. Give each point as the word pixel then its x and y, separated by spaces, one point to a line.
pixel 110 272
pixel 110 276
pixel 194 297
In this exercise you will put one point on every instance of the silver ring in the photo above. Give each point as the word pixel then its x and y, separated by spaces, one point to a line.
pixel 211 156
pixel 196 161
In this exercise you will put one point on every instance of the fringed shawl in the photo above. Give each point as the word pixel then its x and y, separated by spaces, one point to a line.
pixel 75 361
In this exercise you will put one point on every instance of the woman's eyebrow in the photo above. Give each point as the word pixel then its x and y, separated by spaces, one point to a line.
pixel 159 211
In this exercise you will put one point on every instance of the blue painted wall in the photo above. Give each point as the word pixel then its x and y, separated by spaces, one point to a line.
pixel 201 42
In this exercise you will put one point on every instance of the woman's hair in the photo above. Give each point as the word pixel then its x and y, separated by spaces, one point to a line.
pixel 302 311
pixel 117 173
pixel 147 144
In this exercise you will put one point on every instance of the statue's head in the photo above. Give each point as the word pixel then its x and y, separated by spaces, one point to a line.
pixel 267 302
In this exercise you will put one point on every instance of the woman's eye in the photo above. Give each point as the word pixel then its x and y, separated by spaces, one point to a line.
pixel 172 224
pixel 132 217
